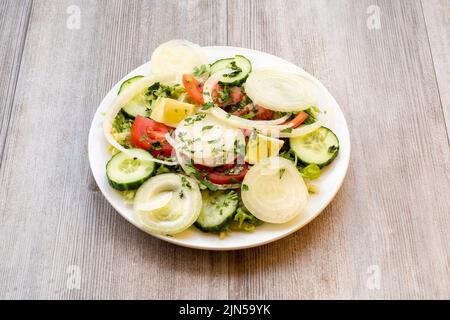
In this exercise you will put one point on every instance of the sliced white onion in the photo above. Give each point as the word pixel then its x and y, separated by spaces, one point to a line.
pixel 121 100
pixel 177 56
pixel 297 132
pixel 281 91
pixel 275 191
pixel 213 147
pixel 157 202
pixel 301 131
pixel 168 203
pixel 209 85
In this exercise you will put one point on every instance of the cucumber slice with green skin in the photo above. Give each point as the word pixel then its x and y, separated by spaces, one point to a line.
pixel 218 209
pixel 127 82
pixel 139 105
pixel 320 147
pixel 240 65
pixel 124 172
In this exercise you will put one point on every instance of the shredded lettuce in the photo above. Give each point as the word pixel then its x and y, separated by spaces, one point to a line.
pixel 121 129
pixel 122 123
pixel 312 115
pixel 157 90
pixel 310 172
pixel 162 169
pixel 243 220
pixel 128 196
pixel 312 188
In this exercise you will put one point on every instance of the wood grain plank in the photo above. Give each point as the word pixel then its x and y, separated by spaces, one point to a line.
pixel 52 214
pixel 392 211
pixel 437 19
pixel 14 18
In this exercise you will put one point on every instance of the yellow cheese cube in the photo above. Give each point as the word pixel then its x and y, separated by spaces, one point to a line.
pixel 171 111
pixel 260 147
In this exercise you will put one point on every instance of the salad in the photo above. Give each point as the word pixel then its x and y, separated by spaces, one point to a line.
pixel 219 146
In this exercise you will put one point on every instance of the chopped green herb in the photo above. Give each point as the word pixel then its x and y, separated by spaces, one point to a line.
pixel 208 105
pixel 207 127
pixel 204 183
pixel 233 66
pixel 191 120
pixel 249 115
pixel 244 187
pixel 199 71
pixel 185 183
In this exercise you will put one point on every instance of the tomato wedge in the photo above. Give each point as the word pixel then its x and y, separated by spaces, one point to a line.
pixel 193 88
pixel 258 112
pixel 235 95
pixel 226 174
pixel 149 135
pixel 298 120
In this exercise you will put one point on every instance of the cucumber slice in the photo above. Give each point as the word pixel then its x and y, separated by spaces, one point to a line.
pixel 125 172
pixel 319 147
pixel 217 210
pixel 240 65
pixel 139 105
pixel 127 82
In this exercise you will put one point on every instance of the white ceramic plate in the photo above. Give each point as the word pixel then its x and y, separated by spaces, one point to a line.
pixel 329 183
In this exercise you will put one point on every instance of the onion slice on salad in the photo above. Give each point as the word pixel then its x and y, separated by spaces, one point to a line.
pixel 177 56
pixel 125 96
pixel 274 191
pixel 157 202
pixel 168 203
pixel 242 123
pixel 297 132
pixel 208 141
pixel 281 91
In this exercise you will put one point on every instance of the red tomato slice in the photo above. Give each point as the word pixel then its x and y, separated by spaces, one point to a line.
pixel 193 88
pixel 226 174
pixel 149 135
pixel 298 120
pixel 261 113
pixel 215 95
pixel 235 94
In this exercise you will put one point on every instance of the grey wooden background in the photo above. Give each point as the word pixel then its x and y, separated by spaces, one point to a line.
pixel 391 218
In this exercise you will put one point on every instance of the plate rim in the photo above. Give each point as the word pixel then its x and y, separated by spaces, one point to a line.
pixel 232 247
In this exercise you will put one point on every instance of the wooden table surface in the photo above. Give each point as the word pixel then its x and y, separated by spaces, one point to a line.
pixel 385 235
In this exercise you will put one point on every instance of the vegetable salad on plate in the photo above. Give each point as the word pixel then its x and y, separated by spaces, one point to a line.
pixel 219 146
